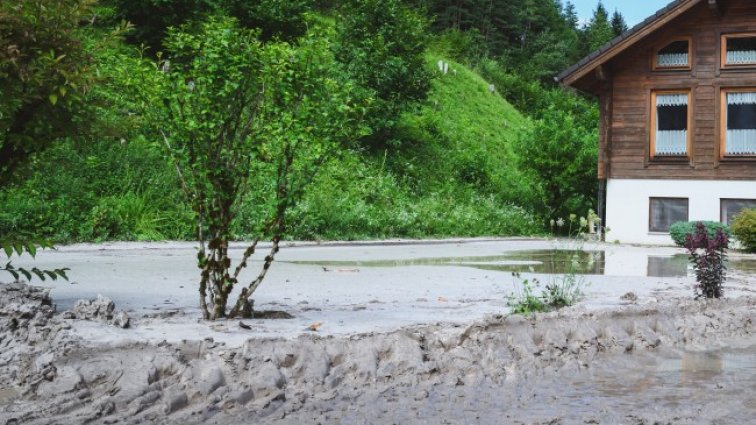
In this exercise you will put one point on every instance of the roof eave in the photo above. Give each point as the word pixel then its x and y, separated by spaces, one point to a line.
pixel 582 68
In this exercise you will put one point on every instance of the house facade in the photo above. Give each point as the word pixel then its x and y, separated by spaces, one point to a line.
pixel 677 96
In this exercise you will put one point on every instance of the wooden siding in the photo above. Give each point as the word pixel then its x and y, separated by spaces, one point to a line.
pixel 625 98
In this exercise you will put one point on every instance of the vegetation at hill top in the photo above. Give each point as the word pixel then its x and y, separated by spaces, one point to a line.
pixel 442 117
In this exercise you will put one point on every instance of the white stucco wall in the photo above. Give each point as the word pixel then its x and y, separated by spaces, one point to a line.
pixel 627 204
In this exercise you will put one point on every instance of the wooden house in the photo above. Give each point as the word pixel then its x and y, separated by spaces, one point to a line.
pixel 677 138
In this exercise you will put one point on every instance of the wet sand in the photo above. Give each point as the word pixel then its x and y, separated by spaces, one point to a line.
pixel 400 343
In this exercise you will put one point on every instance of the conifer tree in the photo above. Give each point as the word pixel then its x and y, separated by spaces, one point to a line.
pixel 618 23
pixel 598 31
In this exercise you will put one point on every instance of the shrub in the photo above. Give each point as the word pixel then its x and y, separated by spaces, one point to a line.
pixel 744 229
pixel 708 255
pixel 678 231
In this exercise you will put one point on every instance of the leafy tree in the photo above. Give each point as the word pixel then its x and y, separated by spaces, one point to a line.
pixel 381 43
pixel 45 72
pixel 562 152
pixel 230 111
pixel 618 23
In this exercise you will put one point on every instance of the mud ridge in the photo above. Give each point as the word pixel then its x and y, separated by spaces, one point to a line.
pixel 59 378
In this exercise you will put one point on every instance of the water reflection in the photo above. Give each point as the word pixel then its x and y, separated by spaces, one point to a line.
pixel 555 261
pixel 670 379
pixel 674 266
pixel 6 395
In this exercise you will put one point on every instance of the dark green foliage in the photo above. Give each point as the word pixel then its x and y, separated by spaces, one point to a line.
pixel 152 18
pixel 744 229
pixel 678 231
pixel 381 44
pixel 281 19
pixel 618 23
pixel 708 255
pixel 45 72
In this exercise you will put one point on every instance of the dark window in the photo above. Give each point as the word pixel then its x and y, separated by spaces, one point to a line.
pixel 729 208
pixel 673 118
pixel 740 123
pixel 666 211
pixel 739 50
pixel 674 55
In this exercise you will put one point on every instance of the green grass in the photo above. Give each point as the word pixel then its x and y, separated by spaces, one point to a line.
pixel 451 172
pixel 454 173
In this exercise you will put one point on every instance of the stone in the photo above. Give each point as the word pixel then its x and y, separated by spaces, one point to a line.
pixel 99 309
pixel 121 320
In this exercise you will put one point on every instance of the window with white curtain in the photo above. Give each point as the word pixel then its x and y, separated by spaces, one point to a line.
pixel 674 55
pixel 669 133
pixel 739 50
pixel 739 123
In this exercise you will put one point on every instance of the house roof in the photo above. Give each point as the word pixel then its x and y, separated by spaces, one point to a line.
pixel 627 39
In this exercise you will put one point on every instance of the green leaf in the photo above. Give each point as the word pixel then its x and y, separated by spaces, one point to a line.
pixel 53 99
pixel 39 273
pixel 8 248
pixel 26 273
pixel 62 273
pixel 31 248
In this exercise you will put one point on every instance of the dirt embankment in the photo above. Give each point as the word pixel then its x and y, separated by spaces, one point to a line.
pixel 52 376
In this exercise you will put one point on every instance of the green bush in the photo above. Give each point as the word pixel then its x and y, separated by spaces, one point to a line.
pixel 679 230
pixel 744 229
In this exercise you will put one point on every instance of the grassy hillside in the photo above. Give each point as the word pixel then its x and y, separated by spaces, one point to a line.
pixel 452 172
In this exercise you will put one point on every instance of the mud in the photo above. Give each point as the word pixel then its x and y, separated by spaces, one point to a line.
pixel 572 366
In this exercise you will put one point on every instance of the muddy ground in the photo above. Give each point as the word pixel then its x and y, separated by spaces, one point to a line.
pixel 665 358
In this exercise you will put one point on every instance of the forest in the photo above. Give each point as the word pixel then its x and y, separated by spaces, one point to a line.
pixel 310 119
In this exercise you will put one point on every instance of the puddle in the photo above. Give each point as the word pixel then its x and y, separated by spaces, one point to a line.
pixel 692 371
pixel 6 395
pixel 552 261
pixel 667 381
pixel 536 261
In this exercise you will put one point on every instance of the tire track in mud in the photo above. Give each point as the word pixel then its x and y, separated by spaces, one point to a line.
pixel 60 378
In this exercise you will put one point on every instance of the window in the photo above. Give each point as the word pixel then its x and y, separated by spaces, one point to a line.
pixel 738 122
pixel 666 211
pixel 738 50
pixel 670 121
pixel 729 208
pixel 675 55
